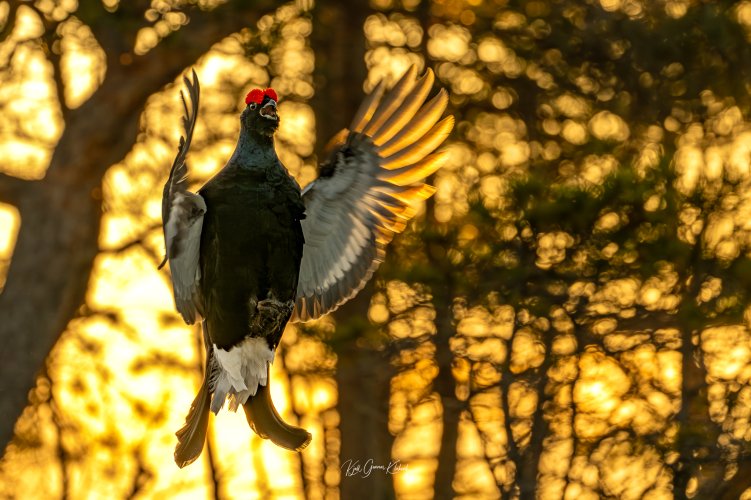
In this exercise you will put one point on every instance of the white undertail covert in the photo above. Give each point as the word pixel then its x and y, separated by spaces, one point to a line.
pixel 240 371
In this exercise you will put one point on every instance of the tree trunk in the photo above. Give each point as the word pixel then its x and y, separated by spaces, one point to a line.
pixel 51 264
pixel 363 373
pixel 529 468
pixel 60 215
pixel 363 376
pixel 445 385
pixel 697 435
pixel 338 42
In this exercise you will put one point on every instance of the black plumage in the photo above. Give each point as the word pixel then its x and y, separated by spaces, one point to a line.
pixel 248 261
pixel 251 244
pixel 245 259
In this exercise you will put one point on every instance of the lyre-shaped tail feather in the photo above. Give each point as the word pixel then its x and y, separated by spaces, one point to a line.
pixel 178 175
pixel 192 435
pixel 267 423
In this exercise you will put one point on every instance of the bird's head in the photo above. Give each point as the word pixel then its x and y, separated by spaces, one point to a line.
pixel 260 114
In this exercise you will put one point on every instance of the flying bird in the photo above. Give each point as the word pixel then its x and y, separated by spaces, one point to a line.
pixel 251 251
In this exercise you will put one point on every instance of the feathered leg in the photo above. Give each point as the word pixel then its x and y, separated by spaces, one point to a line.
pixel 266 422
pixel 270 318
pixel 192 435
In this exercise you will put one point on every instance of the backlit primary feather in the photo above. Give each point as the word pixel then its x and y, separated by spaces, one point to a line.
pixel 353 213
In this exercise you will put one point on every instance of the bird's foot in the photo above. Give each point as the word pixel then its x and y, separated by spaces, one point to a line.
pixel 271 315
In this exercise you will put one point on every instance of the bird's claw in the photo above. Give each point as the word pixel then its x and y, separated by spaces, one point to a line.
pixel 271 314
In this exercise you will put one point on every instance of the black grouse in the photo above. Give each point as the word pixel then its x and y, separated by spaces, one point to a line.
pixel 251 251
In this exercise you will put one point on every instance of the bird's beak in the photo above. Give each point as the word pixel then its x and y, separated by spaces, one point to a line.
pixel 269 110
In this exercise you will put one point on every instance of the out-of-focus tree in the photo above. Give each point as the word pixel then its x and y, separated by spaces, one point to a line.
pixel 133 49
pixel 109 384
pixel 567 318
pixel 592 241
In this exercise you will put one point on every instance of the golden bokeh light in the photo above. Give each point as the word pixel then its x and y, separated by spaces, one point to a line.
pixel 568 311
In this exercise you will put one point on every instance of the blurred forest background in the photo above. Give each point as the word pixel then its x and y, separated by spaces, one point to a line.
pixel 569 316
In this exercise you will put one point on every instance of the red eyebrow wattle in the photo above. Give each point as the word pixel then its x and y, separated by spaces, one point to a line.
pixel 257 95
pixel 271 94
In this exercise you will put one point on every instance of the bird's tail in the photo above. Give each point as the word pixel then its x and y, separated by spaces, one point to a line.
pixel 266 422
pixel 192 435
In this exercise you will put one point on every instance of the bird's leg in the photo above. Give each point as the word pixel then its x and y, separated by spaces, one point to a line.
pixel 271 316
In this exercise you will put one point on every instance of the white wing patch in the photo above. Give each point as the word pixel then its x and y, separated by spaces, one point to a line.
pixel 183 240
pixel 182 218
pixel 176 214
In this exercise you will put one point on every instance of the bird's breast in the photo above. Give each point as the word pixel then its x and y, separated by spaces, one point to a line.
pixel 256 193
pixel 247 210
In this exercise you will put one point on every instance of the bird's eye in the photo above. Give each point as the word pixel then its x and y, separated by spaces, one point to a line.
pixel 252 105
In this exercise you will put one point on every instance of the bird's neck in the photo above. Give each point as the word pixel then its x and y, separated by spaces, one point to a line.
pixel 253 150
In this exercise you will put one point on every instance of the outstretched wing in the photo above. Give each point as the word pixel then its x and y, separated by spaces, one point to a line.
pixel 182 218
pixel 367 191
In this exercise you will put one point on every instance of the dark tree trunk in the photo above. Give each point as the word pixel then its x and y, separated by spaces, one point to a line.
pixel 363 373
pixel 60 215
pixel 445 386
pixel 363 377
pixel 697 435
pixel 338 42
pixel 51 264
pixel 529 467
pixel 699 454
